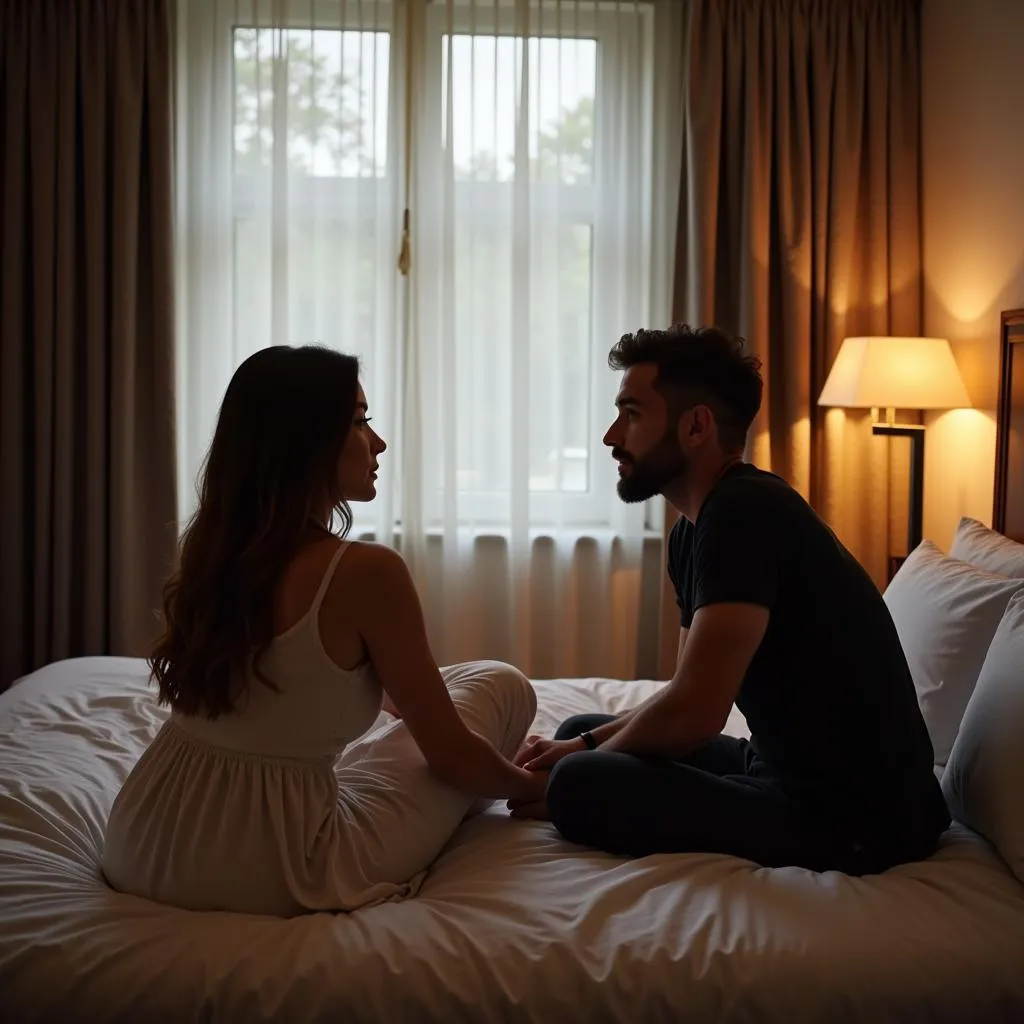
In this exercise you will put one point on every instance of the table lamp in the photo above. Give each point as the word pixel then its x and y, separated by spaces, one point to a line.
pixel 897 373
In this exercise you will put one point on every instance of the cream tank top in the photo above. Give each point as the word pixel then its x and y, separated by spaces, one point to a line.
pixel 318 709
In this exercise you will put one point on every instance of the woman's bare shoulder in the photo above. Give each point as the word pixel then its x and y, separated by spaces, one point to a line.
pixel 369 554
pixel 372 590
pixel 370 564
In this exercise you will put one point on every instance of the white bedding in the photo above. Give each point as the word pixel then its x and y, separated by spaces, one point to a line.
pixel 513 924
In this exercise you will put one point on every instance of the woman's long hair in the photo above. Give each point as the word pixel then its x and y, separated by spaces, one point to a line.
pixel 270 472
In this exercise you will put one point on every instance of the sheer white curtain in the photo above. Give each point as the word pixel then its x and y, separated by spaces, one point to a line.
pixel 532 247
pixel 288 202
pixel 537 146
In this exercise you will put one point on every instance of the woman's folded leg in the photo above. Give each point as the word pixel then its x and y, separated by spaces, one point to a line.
pixel 396 814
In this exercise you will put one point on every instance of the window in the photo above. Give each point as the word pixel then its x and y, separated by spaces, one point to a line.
pixel 533 119
pixel 487 76
pixel 531 177
pixel 308 210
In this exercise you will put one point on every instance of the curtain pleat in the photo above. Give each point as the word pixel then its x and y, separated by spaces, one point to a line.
pixel 87 456
pixel 799 225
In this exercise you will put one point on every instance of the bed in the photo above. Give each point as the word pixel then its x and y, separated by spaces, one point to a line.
pixel 512 923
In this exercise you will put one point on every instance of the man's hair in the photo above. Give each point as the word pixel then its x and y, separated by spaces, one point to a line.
pixel 699 366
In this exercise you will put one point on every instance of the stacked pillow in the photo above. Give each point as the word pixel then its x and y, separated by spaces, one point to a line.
pixel 946 613
pixel 984 776
pixel 961 622
pixel 983 548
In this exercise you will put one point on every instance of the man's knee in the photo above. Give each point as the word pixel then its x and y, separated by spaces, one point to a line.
pixel 572 727
pixel 571 792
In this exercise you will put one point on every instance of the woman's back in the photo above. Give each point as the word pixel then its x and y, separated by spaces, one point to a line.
pixel 319 707
pixel 252 794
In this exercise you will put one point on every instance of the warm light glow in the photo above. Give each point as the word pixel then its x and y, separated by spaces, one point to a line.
pixel 959 468
pixel 895 373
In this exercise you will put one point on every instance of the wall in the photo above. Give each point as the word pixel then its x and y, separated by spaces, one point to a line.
pixel 973 222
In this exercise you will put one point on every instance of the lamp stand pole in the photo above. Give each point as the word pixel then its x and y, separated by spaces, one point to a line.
pixel 915 432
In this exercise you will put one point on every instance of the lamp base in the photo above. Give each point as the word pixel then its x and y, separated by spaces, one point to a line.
pixel 915 431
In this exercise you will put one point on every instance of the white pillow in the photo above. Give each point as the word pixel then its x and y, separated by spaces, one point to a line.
pixel 987 549
pixel 946 613
pixel 984 778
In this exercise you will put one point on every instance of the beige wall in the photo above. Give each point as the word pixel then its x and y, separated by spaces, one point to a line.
pixel 973 196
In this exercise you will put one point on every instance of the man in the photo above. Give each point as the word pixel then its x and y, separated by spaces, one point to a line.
pixel 776 616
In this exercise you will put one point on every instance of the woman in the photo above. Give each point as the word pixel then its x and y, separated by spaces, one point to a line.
pixel 268 790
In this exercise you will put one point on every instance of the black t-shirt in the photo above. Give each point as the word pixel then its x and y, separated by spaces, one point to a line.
pixel 828 696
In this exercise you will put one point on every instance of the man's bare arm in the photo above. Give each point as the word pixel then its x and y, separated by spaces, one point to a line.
pixel 610 729
pixel 695 705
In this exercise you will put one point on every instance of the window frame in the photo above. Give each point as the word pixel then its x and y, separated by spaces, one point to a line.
pixel 575 204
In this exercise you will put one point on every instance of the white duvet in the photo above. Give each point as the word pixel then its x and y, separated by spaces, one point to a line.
pixel 513 924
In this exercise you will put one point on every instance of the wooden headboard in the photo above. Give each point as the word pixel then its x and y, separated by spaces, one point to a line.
pixel 1008 512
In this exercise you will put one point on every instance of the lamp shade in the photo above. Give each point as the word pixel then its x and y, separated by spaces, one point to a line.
pixel 895 373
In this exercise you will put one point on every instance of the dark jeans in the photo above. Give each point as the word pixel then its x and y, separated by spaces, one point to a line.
pixel 717 799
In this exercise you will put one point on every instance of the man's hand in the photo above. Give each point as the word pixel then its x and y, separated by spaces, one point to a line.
pixel 537 753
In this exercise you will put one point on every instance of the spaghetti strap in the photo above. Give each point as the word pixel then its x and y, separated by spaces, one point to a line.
pixel 332 565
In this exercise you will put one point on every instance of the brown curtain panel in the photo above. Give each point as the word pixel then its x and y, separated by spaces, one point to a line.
pixel 87 477
pixel 799 225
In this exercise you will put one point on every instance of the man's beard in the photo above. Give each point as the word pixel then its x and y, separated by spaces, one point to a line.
pixel 651 473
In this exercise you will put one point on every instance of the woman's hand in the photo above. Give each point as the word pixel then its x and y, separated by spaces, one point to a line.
pixel 533 802
pixel 530 796
pixel 538 754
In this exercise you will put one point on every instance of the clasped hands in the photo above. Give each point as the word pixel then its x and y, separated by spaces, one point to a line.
pixel 540 755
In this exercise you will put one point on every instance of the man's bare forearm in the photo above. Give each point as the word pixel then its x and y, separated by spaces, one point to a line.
pixel 660 727
pixel 714 655
pixel 605 732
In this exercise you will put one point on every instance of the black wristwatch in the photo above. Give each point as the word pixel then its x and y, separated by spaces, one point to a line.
pixel 588 740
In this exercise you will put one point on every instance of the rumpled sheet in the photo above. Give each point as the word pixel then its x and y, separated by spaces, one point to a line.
pixel 512 924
